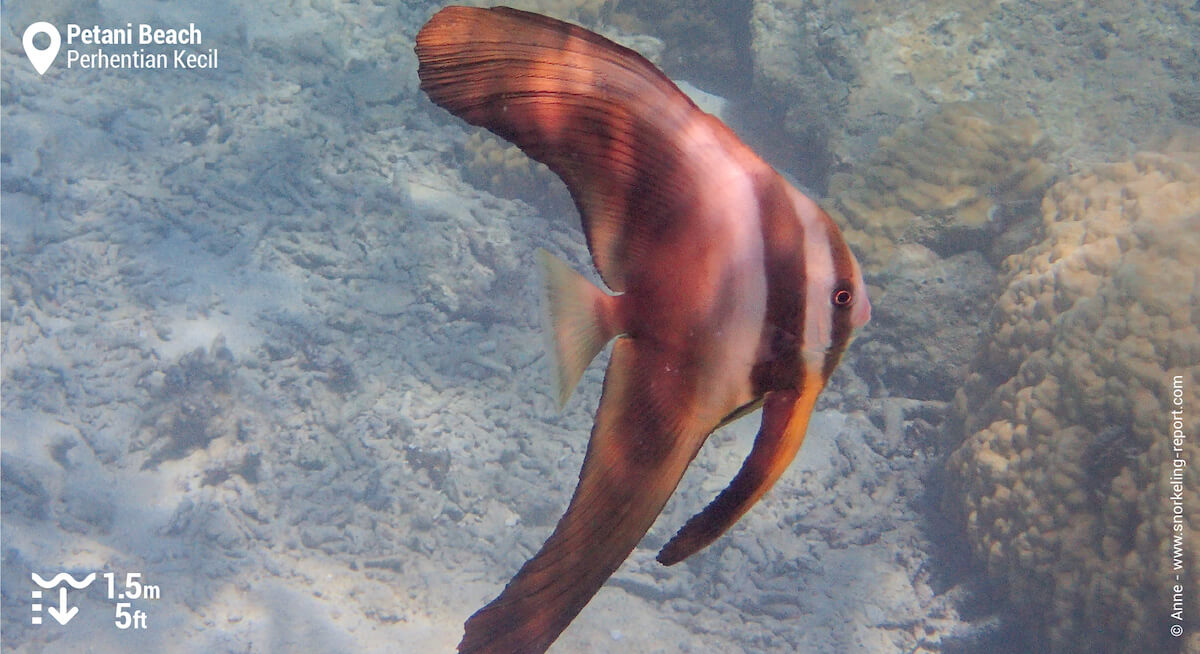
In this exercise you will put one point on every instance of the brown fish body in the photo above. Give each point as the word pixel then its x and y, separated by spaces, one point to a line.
pixel 734 290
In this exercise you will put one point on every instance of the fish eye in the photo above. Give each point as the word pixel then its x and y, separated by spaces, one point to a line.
pixel 842 298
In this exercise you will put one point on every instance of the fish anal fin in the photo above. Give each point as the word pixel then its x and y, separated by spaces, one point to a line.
pixel 784 424
pixel 643 439
pixel 580 321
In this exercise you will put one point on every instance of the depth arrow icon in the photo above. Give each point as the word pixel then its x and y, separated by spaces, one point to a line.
pixel 60 612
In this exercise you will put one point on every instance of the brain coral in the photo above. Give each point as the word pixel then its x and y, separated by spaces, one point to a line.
pixel 950 182
pixel 1064 480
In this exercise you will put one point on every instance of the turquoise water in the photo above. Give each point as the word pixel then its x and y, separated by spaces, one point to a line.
pixel 273 345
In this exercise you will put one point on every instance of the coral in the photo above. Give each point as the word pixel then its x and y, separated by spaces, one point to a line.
pixel 951 182
pixel 1064 480
pixel 502 169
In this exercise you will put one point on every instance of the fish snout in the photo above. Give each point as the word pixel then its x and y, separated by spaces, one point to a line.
pixel 860 313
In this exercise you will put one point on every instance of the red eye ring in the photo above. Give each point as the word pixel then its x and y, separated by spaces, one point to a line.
pixel 842 298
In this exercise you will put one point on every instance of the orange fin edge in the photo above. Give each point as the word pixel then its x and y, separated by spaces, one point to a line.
pixel 784 425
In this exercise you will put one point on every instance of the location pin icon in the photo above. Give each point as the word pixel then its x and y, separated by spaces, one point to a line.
pixel 41 59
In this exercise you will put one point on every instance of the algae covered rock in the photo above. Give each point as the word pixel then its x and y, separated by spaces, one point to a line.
pixel 1065 480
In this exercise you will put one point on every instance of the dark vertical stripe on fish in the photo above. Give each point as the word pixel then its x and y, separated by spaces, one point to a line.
pixel 780 362
pixel 844 273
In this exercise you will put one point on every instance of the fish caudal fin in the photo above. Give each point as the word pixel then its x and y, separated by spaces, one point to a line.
pixel 580 319
pixel 646 433
pixel 785 421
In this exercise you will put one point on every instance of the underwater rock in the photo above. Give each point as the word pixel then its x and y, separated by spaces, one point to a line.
pixel 208 520
pixel 707 41
pixel 244 462
pixel 192 407
pixel 1063 482
pixel 925 331
pixel 24 494
pixel 22 160
pixel 371 82
pixel 584 12
pixel 852 72
pixel 86 507
pixel 801 64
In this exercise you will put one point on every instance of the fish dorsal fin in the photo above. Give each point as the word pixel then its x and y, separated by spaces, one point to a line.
pixel 603 118
pixel 580 320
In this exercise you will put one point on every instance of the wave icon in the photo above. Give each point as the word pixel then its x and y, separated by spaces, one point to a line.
pixel 61 577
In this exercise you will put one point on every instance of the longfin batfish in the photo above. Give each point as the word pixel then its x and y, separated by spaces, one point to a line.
pixel 734 290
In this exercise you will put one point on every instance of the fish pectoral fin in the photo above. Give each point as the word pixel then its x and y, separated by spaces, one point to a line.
pixel 641 444
pixel 785 421
pixel 580 322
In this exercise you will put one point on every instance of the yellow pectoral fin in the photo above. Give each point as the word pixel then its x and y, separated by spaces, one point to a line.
pixel 785 422
pixel 580 322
